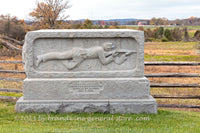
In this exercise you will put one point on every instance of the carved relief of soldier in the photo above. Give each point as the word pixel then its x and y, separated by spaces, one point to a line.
pixel 106 53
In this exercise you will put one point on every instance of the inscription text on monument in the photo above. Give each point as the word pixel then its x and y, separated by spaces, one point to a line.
pixel 86 87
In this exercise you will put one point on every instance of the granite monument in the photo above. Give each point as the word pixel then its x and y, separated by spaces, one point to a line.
pixel 85 71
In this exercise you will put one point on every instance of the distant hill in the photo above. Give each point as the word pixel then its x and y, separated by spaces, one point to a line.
pixel 126 19
pixel 134 21
pixel 27 21
pixel 120 21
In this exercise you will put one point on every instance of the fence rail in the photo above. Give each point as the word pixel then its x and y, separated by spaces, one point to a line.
pixel 151 75
pixel 172 63
pixel 160 63
pixel 177 97
pixel 178 106
pixel 160 75
pixel 11 71
pixel 10 90
pixel 173 85
pixel 8 98
pixel 14 62
pixel 12 79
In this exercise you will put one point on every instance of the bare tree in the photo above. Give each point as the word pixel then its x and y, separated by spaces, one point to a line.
pixel 12 31
pixel 49 12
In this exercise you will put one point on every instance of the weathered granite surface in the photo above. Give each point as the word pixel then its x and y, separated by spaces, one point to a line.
pixel 101 88
pixel 85 71
pixel 146 105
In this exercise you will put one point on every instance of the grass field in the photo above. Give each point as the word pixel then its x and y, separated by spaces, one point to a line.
pixel 171 51
pixel 166 121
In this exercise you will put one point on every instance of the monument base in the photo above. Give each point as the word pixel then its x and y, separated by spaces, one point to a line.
pixel 147 105
pixel 85 88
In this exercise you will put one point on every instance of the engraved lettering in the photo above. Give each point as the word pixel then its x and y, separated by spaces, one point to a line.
pixel 86 87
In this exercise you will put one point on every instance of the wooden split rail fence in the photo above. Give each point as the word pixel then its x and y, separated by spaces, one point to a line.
pixel 152 75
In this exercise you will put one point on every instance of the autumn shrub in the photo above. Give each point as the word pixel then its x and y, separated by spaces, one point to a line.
pixel 106 26
pixel 9 52
pixel 168 34
pixel 17 32
pixel 1 46
pixel 176 34
pixel 88 24
pixel 141 28
pixel 75 26
pixel 197 35
pixel 149 34
pixel 186 35
pixel 149 39
pixel 159 32
pixel 13 27
pixel 164 39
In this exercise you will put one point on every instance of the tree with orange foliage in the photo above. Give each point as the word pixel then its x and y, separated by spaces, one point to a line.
pixel 87 24
pixel 50 12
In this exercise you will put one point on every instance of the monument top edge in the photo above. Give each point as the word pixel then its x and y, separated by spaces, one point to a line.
pixel 86 30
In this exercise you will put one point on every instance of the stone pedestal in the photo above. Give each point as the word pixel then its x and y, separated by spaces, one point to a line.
pixel 85 71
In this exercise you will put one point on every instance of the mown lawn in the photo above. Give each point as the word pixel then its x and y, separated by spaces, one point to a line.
pixel 171 51
pixel 166 121
pixel 177 58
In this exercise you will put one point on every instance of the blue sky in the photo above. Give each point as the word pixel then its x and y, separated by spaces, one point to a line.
pixel 111 9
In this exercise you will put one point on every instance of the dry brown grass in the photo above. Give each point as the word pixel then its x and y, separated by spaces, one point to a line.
pixel 188 80
pixel 175 49
pixel 170 48
pixel 6 66
pixel 168 52
pixel 17 67
pixel 10 85
pixel 9 53
pixel 12 75
pixel 172 69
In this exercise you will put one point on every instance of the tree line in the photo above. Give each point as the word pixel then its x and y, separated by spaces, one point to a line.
pixel 169 34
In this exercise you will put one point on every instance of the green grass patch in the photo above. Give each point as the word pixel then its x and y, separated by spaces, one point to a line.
pixel 191 34
pixel 171 57
pixel 11 94
pixel 178 51
pixel 171 45
pixel 166 121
